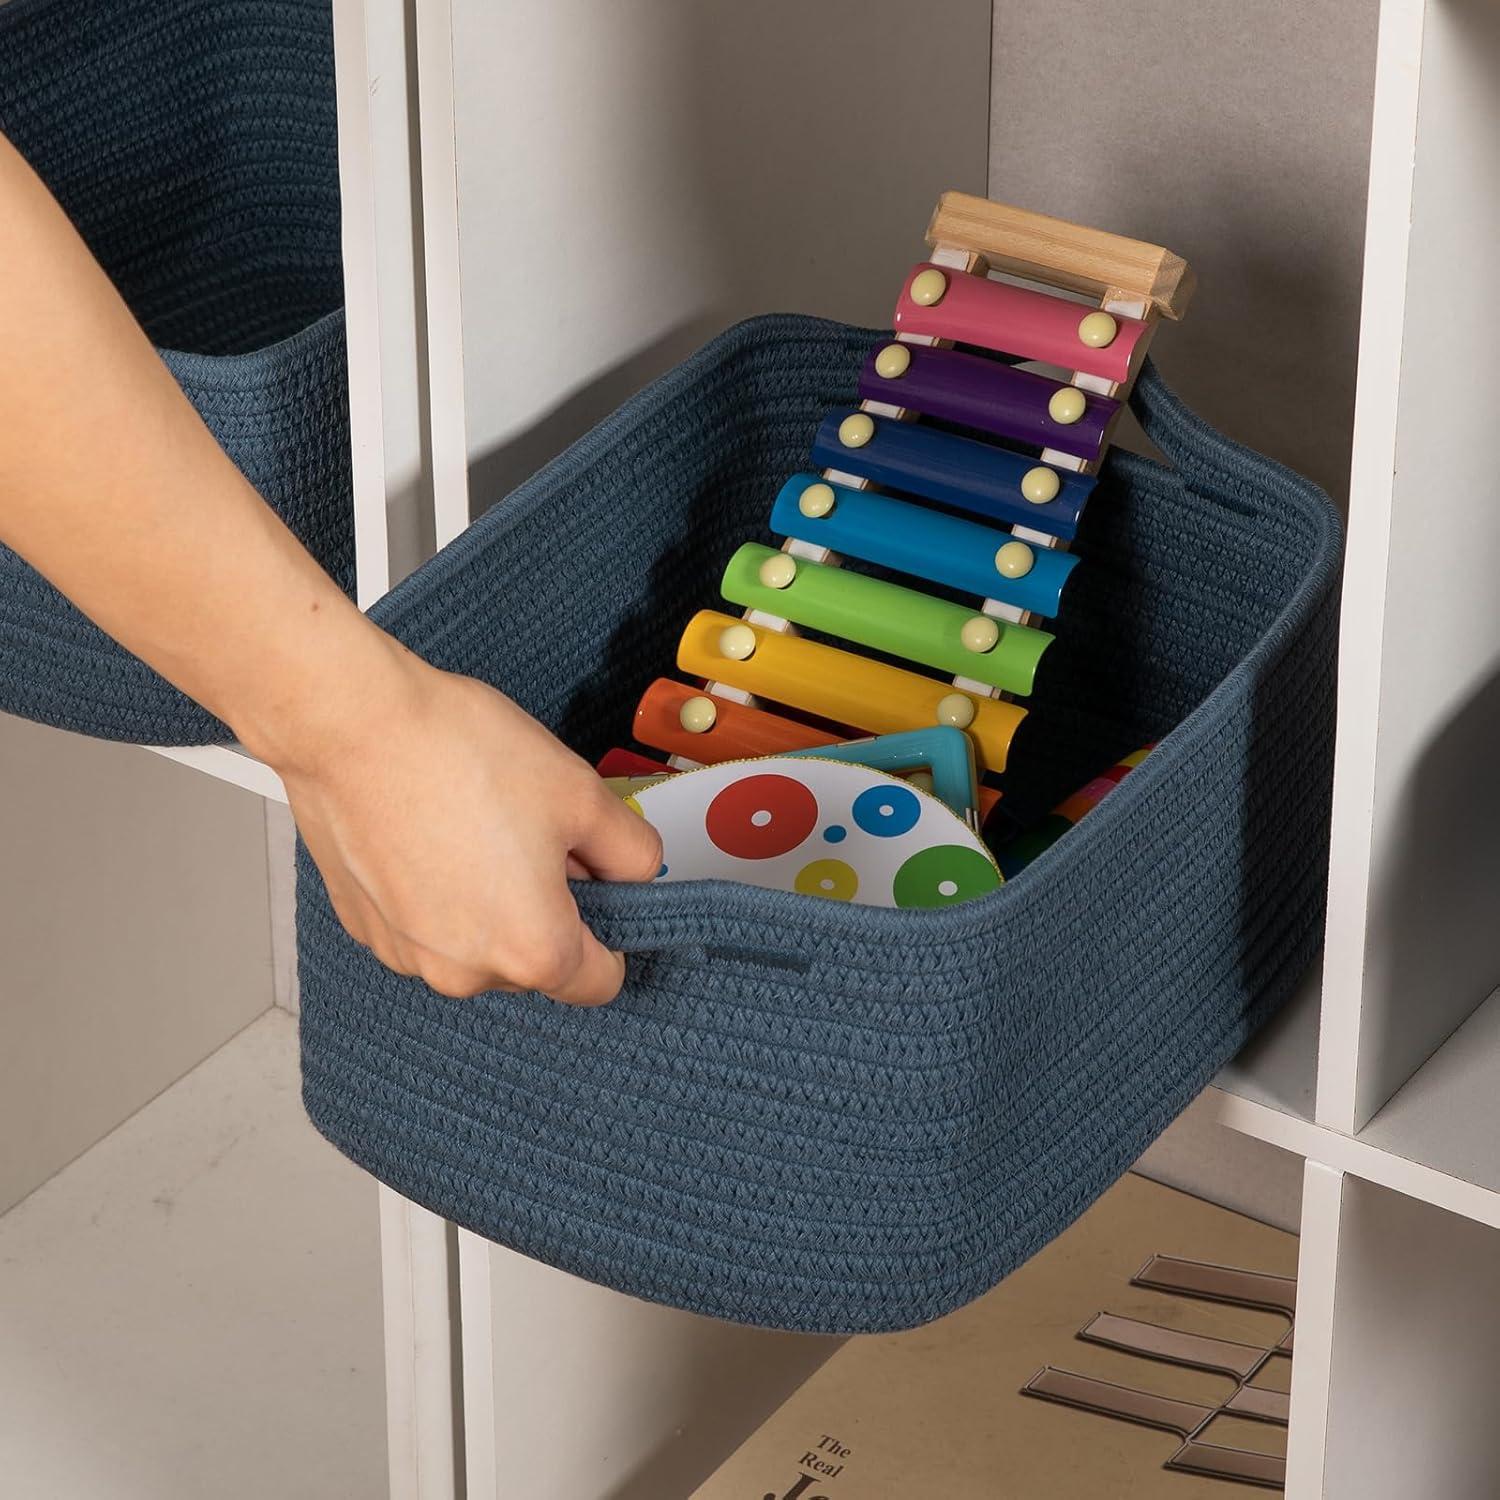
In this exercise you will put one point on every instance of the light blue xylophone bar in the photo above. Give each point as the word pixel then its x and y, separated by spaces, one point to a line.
pixel 924 543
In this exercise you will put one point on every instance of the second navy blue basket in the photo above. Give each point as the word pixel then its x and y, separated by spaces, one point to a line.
pixel 193 144
pixel 820 1116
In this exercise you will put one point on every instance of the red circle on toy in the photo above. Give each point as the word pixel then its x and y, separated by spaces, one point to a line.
pixel 761 817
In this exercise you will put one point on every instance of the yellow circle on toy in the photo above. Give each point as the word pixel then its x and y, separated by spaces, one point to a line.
pixel 1067 405
pixel 1014 560
pixel 737 642
pixel 979 634
pixel 955 710
pixel 816 501
pixel 893 361
pixel 928 287
pixel 778 572
pixel 698 715
pixel 831 878
pixel 1097 330
pixel 856 429
pixel 1041 484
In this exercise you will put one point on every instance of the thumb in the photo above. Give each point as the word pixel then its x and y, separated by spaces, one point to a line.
pixel 618 844
pixel 597 978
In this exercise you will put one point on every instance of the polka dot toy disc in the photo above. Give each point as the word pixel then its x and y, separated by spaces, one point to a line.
pixel 819 827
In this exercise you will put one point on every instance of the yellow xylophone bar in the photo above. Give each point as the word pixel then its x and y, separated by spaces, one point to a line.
pixel 838 685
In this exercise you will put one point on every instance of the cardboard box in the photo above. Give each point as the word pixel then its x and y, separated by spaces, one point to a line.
pixel 936 1414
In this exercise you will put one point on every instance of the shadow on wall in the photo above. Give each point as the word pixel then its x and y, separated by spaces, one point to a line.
pixel 1427 909
pixel 494 474
pixel 1239 136
pixel 700 169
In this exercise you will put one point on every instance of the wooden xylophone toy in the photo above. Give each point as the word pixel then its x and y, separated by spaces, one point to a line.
pixel 964 466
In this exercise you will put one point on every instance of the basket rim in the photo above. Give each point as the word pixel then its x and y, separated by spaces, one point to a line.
pixel 645 917
pixel 230 372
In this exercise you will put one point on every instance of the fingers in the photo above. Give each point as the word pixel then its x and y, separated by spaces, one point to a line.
pixel 596 979
pixel 537 942
pixel 618 844
pixel 559 956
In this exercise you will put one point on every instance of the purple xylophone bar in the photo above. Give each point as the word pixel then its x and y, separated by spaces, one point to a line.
pixel 986 395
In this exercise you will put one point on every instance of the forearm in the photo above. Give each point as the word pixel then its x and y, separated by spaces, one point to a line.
pixel 112 487
pixel 445 821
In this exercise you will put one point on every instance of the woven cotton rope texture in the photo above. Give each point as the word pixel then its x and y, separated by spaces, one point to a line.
pixel 193 144
pixel 821 1116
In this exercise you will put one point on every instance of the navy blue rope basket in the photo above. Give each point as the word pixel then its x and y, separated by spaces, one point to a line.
pixel 829 1117
pixel 193 144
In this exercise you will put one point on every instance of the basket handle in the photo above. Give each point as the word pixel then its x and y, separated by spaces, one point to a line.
pixel 1178 431
pixel 644 918
pixel 708 922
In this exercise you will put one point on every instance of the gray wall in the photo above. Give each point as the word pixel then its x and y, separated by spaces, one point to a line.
pixel 134 936
pixel 634 176
pixel 1237 133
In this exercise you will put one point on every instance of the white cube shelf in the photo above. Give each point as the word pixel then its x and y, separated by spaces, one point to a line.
pixel 546 203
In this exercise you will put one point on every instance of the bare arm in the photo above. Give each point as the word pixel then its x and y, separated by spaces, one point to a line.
pixel 443 818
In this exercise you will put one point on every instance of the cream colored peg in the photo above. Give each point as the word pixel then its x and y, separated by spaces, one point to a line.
pixel 893 361
pixel 816 501
pixel 955 710
pixel 1067 405
pixel 856 429
pixel 698 715
pixel 1041 484
pixel 1097 330
pixel 737 642
pixel 928 287
pixel 979 634
pixel 1014 560
pixel 778 571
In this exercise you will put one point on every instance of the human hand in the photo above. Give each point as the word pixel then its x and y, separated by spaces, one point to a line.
pixel 446 822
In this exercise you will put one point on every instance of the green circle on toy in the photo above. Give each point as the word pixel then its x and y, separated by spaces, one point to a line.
pixel 944 875
pixel 771 822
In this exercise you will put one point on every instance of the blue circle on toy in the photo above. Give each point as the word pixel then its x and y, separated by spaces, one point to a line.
pixel 887 811
pixel 835 833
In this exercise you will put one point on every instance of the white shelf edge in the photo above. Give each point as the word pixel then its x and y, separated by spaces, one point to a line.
pixel 1360 1158
pixel 227 763
pixel 1392 181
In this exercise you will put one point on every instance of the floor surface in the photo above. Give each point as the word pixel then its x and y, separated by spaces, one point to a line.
pixel 936 1414
pixel 192 1310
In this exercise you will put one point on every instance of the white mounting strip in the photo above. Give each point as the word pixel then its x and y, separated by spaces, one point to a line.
pixel 359 60
pixel 358 175
pixel 998 610
pixel 420 1316
pixel 811 551
pixel 1318 1259
pixel 375 72
pixel 767 621
pixel 1027 534
pixel 954 258
pixel 446 412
